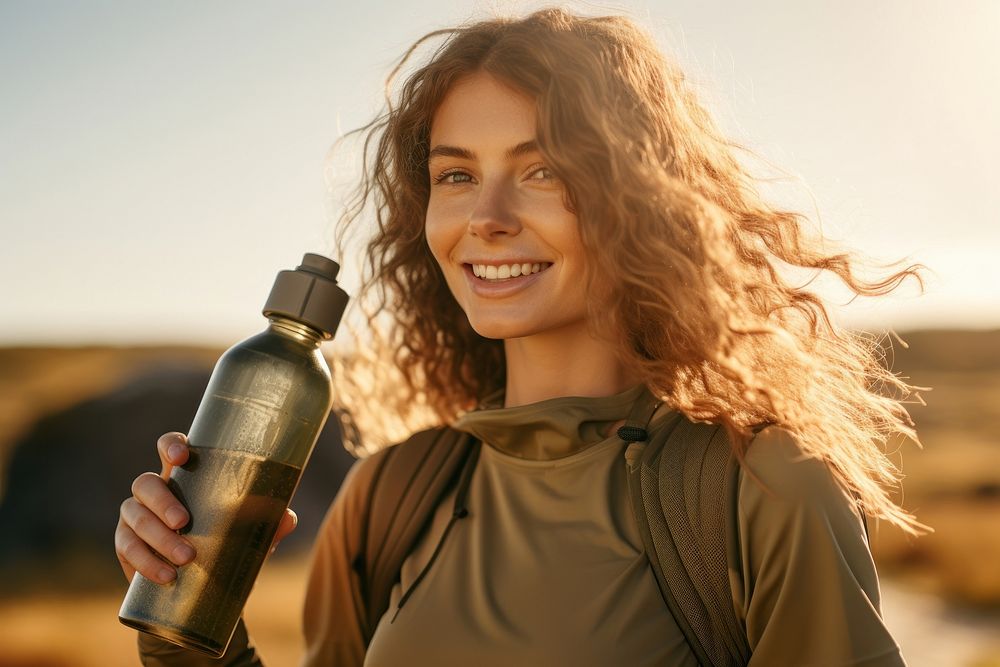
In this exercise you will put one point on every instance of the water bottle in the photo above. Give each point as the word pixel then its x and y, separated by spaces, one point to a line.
pixel 263 410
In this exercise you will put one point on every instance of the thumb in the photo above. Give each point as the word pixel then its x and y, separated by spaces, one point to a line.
pixel 287 524
pixel 173 451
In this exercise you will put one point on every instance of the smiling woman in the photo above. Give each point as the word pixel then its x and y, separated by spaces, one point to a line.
pixel 510 250
pixel 650 449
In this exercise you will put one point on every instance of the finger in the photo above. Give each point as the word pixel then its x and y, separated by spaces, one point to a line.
pixel 121 538
pixel 155 534
pixel 287 524
pixel 136 556
pixel 173 450
pixel 152 492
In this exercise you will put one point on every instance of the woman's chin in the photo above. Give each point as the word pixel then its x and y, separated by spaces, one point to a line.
pixel 506 328
pixel 501 330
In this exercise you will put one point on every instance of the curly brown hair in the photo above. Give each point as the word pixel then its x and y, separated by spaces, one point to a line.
pixel 689 253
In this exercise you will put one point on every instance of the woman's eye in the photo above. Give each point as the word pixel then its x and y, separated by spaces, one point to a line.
pixel 453 177
pixel 541 174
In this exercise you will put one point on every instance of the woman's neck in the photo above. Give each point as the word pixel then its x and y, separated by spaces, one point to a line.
pixel 561 363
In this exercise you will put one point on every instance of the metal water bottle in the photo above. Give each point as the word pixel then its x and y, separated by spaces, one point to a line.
pixel 258 421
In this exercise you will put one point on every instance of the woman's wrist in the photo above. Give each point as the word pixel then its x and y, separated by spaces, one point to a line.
pixel 156 652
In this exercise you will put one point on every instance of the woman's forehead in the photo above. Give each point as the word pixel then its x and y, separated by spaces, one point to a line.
pixel 480 107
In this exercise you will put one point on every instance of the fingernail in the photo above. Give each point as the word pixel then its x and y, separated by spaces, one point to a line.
pixel 167 575
pixel 176 517
pixel 182 554
pixel 174 451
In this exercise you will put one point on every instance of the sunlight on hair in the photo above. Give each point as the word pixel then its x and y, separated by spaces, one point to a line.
pixel 706 284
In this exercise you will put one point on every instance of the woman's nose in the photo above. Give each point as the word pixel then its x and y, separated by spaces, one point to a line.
pixel 493 214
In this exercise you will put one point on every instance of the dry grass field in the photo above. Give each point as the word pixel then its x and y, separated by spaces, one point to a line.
pixel 952 484
pixel 83 630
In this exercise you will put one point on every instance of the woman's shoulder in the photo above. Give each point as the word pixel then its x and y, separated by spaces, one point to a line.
pixel 401 458
pixel 806 566
pixel 418 440
pixel 778 469
pixel 386 473
pixel 792 508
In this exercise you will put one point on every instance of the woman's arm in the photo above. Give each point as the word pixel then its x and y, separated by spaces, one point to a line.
pixel 810 591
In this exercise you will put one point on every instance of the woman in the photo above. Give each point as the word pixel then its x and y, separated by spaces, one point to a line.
pixel 563 234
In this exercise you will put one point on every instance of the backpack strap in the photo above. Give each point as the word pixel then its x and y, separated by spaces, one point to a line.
pixel 684 490
pixel 413 478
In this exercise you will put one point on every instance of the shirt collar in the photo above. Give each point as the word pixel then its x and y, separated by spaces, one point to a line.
pixel 550 429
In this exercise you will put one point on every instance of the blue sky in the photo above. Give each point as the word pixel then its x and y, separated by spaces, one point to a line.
pixel 159 162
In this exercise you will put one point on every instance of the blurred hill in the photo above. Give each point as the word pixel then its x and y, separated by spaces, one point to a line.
pixel 951 351
pixel 80 425
pixel 40 381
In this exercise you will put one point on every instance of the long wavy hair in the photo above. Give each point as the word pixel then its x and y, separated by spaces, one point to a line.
pixel 692 289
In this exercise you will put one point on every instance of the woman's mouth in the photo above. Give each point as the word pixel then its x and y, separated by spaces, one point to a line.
pixel 501 272
pixel 496 281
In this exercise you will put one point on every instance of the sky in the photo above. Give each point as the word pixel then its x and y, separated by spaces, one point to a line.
pixel 160 162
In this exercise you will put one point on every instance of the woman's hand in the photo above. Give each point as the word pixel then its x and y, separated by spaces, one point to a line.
pixel 146 539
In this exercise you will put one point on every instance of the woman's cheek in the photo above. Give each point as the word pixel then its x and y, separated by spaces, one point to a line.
pixel 436 237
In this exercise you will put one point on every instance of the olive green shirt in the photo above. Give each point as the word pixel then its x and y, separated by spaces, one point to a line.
pixel 549 568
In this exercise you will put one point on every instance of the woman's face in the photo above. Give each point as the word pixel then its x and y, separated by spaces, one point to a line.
pixel 509 249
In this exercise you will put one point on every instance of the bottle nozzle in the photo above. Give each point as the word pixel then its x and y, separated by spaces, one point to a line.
pixel 309 294
pixel 320 265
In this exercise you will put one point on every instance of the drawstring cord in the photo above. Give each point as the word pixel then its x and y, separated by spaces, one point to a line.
pixel 460 512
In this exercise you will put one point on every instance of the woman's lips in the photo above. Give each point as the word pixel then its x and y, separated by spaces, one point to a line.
pixel 500 287
pixel 491 271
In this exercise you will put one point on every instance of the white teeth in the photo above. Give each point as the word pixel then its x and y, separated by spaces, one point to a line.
pixel 506 271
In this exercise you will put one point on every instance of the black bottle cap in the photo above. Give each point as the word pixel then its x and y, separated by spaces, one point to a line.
pixel 309 295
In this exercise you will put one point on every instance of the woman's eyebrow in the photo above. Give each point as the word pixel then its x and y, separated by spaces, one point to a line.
pixel 523 148
pixel 442 150
pixel 451 151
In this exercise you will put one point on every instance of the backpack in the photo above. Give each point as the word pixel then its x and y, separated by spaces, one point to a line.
pixel 683 490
